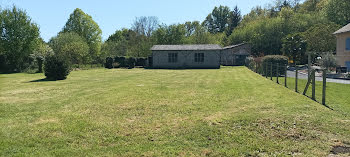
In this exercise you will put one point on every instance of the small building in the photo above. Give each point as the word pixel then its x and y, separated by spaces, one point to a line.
pixel 186 56
pixel 343 46
pixel 235 54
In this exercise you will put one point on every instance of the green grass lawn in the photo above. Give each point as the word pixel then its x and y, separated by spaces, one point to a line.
pixel 227 112
pixel 337 95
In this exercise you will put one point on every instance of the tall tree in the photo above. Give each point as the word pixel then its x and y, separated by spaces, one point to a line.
pixel 71 46
pixel 338 11
pixel 217 21
pixel 145 25
pixel 83 24
pixel 294 46
pixel 233 20
pixel 320 38
pixel 19 38
pixel 173 34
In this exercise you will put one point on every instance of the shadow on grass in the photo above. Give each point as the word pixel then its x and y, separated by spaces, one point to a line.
pixel 42 80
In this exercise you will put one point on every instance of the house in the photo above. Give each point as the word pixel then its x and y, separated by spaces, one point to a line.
pixel 343 46
pixel 186 56
pixel 235 54
pixel 197 56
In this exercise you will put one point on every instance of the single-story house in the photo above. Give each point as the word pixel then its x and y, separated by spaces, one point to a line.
pixel 343 46
pixel 235 54
pixel 197 56
pixel 186 56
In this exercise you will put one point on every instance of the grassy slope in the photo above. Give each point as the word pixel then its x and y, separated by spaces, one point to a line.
pixel 231 111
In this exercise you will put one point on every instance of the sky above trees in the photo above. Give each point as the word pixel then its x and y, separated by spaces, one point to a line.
pixel 51 16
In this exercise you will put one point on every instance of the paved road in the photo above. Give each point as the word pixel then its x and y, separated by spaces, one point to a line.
pixel 304 76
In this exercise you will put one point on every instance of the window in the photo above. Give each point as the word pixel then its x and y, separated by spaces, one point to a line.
pixel 347 44
pixel 199 57
pixel 172 57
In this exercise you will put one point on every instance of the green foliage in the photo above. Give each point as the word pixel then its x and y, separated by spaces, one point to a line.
pixel 71 47
pixel 217 21
pixel 173 34
pixel 320 38
pixel 274 60
pixel 56 67
pixel 109 63
pixel 328 60
pixel 122 61
pixel 39 54
pixel 294 46
pixel 338 11
pixel 131 62
pixel 19 38
pixel 88 29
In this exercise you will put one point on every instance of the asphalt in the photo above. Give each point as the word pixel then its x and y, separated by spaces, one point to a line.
pixel 317 78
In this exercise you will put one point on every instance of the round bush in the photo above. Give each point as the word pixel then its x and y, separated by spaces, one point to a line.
pixel 109 63
pixel 121 61
pixel 131 62
pixel 56 68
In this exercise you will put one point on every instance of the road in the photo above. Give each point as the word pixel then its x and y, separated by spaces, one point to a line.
pixel 304 76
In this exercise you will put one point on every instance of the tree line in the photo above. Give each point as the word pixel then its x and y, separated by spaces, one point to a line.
pixel 285 27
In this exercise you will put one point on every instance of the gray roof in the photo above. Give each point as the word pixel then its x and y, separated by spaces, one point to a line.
pixel 343 30
pixel 233 46
pixel 186 47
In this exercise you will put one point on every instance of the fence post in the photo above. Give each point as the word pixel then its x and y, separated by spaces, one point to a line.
pixel 324 87
pixel 277 73
pixel 296 78
pixel 285 76
pixel 271 72
pixel 313 85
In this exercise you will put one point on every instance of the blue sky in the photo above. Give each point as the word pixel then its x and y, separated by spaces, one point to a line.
pixel 51 15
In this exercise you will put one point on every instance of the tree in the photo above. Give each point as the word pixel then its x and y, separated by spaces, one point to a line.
pixel 192 27
pixel 71 47
pixel 39 54
pixel 320 38
pixel 19 38
pixel 173 34
pixel 217 21
pixel 233 20
pixel 294 46
pixel 338 11
pixel 88 29
pixel 145 25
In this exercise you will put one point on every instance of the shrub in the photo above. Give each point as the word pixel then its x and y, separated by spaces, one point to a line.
pixel 282 61
pixel 109 63
pixel 249 62
pixel 140 61
pixel 131 62
pixel 121 61
pixel 328 60
pixel 56 68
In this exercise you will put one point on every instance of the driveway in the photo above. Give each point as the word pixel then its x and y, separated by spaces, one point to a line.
pixel 304 76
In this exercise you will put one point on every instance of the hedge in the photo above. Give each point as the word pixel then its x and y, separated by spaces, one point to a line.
pixel 282 61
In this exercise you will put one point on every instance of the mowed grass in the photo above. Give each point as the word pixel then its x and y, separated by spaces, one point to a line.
pixel 337 95
pixel 231 111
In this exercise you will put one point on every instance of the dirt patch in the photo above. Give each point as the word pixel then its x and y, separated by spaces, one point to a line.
pixel 340 150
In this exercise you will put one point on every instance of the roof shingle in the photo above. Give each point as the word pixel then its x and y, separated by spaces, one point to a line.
pixel 343 30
